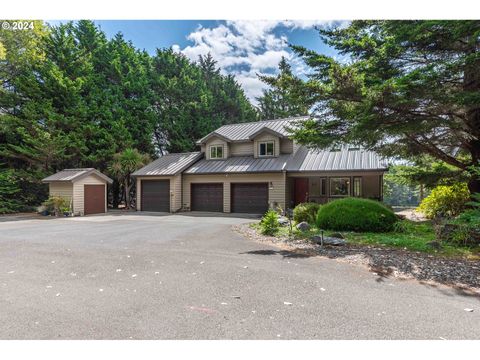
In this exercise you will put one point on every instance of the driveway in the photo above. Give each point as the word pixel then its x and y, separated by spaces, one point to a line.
pixel 192 277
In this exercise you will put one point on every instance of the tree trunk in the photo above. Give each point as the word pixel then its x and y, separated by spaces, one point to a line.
pixel 127 195
pixel 115 194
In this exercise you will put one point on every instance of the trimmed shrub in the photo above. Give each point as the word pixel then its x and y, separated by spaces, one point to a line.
pixel 269 224
pixel 445 201
pixel 305 212
pixel 354 214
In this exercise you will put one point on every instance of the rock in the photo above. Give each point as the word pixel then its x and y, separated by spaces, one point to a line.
pixel 328 240
pixel 282 220
pixel 468 310
pixel 303 226
pixel 435 245
pixel 337 235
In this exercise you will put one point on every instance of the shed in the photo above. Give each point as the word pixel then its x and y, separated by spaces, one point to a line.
pixel 84 189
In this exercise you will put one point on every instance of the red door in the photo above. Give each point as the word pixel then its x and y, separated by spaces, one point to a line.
pixel 301 190
pixel 94 199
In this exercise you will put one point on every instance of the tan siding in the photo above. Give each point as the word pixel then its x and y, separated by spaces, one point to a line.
pixel 63 189
pixel 175 191
pixel 241 149
pixel 266 137
pixel 216 141
pixel 286 146
pixel 78 192
pixel 276 195
pixel 295 146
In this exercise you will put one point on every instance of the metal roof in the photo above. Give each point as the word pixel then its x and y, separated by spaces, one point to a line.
pixel 345 159
pixel 168 165
pixel 239 164
pixel 72 175
pixel 243 131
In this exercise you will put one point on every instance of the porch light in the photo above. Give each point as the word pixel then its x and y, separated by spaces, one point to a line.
pixel 270 185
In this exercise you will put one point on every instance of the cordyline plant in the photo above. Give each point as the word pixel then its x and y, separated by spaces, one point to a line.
pixel 405 89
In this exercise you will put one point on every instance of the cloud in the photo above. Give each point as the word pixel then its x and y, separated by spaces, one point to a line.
pixel 246 48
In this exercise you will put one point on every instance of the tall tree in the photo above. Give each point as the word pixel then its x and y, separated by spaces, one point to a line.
pixel 285 96
pixel 409 88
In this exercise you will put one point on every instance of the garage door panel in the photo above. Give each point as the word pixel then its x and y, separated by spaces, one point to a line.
pixel 207 197
pixel 155 195
pixel 249 198
pixel 94 199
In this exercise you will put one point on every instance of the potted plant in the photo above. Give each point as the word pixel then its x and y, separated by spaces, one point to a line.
pixel 55 205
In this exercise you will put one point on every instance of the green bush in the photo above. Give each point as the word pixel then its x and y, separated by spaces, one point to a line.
pixel 305 212
pixel 269 224
pixel 445 201
pixel 56 204
pixel 354 214
pixel 466 226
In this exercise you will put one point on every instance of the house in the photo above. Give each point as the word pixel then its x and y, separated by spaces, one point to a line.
pixel 84 189
pixel 250 167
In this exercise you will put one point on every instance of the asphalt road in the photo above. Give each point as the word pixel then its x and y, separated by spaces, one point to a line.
pixel 192 277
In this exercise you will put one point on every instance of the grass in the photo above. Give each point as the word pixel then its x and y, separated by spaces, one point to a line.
pixel 409 235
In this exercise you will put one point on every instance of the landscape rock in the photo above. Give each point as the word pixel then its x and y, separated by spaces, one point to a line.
pixel 303 226
pixel 282 220
pixel 328 240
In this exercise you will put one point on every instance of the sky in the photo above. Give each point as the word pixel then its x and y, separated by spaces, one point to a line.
pixel 244 48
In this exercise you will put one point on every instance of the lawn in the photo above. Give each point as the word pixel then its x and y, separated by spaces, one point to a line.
pixel 409 235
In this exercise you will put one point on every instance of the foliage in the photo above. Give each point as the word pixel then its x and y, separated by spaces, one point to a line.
pixel 445 201
pixel 306 212
pixel 123 165
pixel 409 89
pixel 56 204
pixel 355 214
pixel 269 224
pixel 466 229
pixel 285 97
pixel 9 190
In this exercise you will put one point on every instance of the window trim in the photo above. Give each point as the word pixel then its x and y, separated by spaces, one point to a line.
pixel 348 187
pixel 360 180
pixel 216 146
pixel 266 145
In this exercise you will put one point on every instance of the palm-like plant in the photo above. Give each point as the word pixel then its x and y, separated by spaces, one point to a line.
pixel 123 165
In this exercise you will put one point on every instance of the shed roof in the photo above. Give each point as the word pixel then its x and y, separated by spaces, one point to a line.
pixel 72 175
pixel 327 160
pixel 244 131
pixel 170 164
pixel 239 164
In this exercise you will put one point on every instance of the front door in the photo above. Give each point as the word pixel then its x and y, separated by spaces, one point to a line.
pixel 301 190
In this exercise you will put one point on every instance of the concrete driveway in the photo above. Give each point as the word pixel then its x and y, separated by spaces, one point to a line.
pixel 192 277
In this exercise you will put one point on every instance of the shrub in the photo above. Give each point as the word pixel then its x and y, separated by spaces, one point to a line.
pixel 55 204
pixel 353 214
pixel 465 228
pixel 269 224
pixel 445 201
pixel 305 212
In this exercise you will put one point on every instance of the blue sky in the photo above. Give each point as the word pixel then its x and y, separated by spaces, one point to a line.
pixel 243 48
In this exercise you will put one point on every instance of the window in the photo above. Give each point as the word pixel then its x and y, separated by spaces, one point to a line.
pixel 340 186
pixel 266 148
pixel 216 152
pixel 357 186
pixel 323 187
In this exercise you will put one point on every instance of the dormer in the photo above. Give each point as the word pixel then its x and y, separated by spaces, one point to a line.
pixel 266 143
pixel 215 147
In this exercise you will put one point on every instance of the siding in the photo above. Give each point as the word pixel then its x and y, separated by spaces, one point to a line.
pixel 276 195
pixel 266 137
pixel 217 141
pixel 63 189
pixel 286 146
pixel 175 191
pixel 241 149
pixel 78 192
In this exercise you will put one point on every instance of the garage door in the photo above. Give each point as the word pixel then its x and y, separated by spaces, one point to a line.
pixel 155 195
pixel 250 198
pixel 93 199
pixel 207 197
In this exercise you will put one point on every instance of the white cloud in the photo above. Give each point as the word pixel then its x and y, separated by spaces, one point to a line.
pixel 246 48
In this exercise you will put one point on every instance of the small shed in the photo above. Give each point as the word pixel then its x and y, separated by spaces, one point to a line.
pixel 84 189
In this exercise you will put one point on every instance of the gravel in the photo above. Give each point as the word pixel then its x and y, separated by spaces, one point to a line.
pixel 385 261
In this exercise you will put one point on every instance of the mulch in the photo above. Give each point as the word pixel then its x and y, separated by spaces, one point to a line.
pixel 384 261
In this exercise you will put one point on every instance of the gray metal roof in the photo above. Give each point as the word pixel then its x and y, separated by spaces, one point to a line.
pixel 243 131
pixel 324 160
pixel 72 175
pixel 239 164
pixel 168 165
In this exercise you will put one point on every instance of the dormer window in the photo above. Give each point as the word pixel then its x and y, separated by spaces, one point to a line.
pixel 216 152
pixel 266 148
